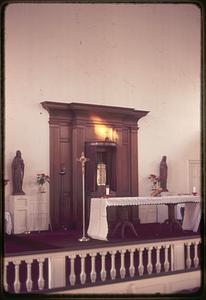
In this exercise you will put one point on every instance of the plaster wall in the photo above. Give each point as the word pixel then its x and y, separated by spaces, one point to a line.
pixel 144 56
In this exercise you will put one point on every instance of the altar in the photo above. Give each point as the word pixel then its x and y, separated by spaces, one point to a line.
pixel 98 224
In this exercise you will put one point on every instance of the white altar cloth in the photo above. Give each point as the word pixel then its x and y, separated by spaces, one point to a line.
pixel 98 225
pixel 191 218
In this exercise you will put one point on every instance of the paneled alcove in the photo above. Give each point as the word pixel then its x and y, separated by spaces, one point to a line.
pixel 103 133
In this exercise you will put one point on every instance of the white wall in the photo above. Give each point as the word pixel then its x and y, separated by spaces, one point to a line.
pixel 145 56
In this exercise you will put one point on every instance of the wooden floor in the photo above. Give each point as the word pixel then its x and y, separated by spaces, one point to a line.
pixel 67 240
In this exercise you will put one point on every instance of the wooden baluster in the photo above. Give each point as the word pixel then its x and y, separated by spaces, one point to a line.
pixel 29 282
pixel 93 274
pixel 41 278
pixel 158 264
pixel 103 269
pixel 188 259
pixel 141 266
pixel 72 276
pixel 83 275
pixel 149 264
pixel 113 270
pixel 6 287
pixel 196 259
pixel 16 281
pixel 172 257
pixel 131 267
pixel 166 262
pixel 122 268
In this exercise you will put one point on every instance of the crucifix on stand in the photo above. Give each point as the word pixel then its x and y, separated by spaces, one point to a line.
pixel 83 160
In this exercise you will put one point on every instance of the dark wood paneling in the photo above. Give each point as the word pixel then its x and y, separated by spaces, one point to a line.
pixel 65 161
pixel 134 162
pixel 54 176
pixel 72 127
pixel 126 158
pixel 120 163
pixel 90 174
pixel 60 156
pixel 134 213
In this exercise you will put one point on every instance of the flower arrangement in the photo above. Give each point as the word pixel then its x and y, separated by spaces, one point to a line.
pixel 42 179
pixel 156 189
pixel 155 180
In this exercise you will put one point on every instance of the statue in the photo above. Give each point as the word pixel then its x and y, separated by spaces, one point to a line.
pixel 163 174
pixel 17 174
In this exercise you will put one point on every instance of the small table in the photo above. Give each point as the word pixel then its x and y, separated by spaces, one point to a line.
pixel 98 225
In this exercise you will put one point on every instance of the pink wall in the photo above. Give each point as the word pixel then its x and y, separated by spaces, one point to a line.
pixel 145 56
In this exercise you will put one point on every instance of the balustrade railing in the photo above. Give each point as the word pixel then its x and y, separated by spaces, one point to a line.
pixel 77 268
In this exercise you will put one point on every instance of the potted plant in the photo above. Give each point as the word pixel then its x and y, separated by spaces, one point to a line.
pixel 41 180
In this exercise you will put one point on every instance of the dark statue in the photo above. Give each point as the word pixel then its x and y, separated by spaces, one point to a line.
pixel 163 174
pixel 17 174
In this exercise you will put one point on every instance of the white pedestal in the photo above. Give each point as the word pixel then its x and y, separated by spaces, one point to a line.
pixel 38 212
pixel 18 208
pixel 29 213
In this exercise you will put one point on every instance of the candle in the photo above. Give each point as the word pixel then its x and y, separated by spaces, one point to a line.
pixel 107 190
pixel 194 189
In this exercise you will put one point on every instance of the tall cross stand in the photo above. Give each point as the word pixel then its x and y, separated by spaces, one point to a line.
pixel 83 160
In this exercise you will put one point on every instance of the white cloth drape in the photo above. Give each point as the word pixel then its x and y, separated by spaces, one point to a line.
pixel 179 214
pixel 191 219
pixel 8 223
pixel 98 226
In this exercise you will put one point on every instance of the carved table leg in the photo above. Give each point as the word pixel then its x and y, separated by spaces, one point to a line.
pixel 130 225
pixel 171 221
pixel 116 228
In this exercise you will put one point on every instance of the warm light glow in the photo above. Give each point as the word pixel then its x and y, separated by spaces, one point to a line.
pixel 103 131
pixel 115 135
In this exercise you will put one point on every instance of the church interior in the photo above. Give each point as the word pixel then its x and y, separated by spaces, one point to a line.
pixel 102 147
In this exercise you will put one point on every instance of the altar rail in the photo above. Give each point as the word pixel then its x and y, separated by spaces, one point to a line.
pixel 45 272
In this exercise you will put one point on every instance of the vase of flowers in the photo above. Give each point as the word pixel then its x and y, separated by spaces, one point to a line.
pixel 156 190
pixel 41 179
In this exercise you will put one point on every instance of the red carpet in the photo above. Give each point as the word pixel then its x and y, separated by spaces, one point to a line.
pixel 57 240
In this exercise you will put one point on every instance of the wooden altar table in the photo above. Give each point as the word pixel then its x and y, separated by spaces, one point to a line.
pixel 98 224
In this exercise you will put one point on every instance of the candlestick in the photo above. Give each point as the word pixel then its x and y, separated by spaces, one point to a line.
pixel 107 190
pixel 83 160
pixel 194 191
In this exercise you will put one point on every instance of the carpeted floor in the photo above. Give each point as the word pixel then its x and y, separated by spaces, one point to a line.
pixel 57 240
